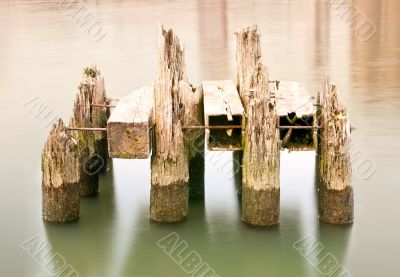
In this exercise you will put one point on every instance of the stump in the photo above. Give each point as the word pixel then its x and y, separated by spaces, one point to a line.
pixel 169 200
pixel 193 115
pixel 60 176
pixel 336 199
pixel 261 147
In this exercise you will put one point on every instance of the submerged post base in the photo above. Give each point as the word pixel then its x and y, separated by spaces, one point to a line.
pixel 336 206
pixel 260 207
pixel 61 204
pixel 89 185
pixel 169 203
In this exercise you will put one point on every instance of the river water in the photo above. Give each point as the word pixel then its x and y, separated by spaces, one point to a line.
pixel 42 52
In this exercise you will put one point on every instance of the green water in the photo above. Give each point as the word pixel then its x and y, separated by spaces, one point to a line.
pixel 42 52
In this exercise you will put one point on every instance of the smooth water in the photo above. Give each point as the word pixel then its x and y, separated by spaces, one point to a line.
pixel 42 53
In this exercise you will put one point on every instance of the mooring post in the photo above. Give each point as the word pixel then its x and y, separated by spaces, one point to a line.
pixel 60 176
pixel 261 143
pixel 336 199
pixel 169 197
pixel 193 115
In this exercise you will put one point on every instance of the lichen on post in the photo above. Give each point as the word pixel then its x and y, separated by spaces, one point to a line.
pixel 169 197
pixel 60 176
pixel 261 142
pixel 336 199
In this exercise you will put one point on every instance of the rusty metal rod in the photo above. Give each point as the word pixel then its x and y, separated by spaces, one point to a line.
pixel 299 127
pixel 102 105
pixel 88 129
pixel 213 127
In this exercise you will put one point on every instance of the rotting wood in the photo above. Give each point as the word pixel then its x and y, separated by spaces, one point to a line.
pixel 193 116
pixel 261 147
pixel 222 106
pixel 295 108
pixel 128 128
pixel 336 200
pixel 169 197
pixel 60 176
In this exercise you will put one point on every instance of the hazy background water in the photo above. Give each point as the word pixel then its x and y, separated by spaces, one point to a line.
pixel 42 52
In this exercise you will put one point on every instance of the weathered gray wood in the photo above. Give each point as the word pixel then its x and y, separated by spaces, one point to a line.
pixel 336 200
pixel 93 82
pixel 295 107
pixel 261 149
pixel 128 128
pixel 60 176
pixel 193 115
pixel 169 197
pixel 222 106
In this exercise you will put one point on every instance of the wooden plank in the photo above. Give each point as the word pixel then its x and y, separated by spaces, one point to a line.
pixel 293 97
pixel 222 106
pixel 129 124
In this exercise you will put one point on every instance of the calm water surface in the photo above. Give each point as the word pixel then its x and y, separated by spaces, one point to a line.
pixel 41 55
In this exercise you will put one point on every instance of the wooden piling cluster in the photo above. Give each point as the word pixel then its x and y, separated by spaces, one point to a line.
pixel 261 143
pixel 169 122
pixel 336 200
pixel 73 156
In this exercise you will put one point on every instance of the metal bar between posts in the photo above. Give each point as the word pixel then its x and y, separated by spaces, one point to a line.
pixel 102 105
pixel 299 127
pixel 88 129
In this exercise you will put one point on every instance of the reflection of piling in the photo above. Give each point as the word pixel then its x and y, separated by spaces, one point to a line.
pixel 335 189
pixel 60 176
pixel 193 106
pixel 261 143
pixel 169 200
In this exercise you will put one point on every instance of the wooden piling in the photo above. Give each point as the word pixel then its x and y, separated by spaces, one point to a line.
pixel 336 199
pixel 261 147
pixel 60 176
pixel 169 197
pixel 193 116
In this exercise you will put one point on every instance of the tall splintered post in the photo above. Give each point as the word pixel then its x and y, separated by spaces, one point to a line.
pixel 92 146
pixel 169 197
pixel 60 176
pixel 336 200
pixel 261 144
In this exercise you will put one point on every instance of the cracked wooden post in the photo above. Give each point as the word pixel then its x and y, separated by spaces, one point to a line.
pixel 90 144
pixel 169 197
pixel 261 143
pixel 60 176
pixel 336 200
pixel 93 81
pixel 193 115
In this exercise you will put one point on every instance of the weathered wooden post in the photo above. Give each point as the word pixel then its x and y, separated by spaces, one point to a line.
pixel 169 197
pixel 93 83
pixel 193 115
pixel 261 144
pixel 60 176
pixel 336 200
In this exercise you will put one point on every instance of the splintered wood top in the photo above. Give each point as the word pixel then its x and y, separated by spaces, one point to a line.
pixel 135 107
pixel 293 97
pixel 221 98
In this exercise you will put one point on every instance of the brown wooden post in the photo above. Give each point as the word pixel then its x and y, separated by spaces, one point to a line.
pixel 193 115
pixel 60 176
pixel 261 143
pixel 336 199
pixel 169 197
